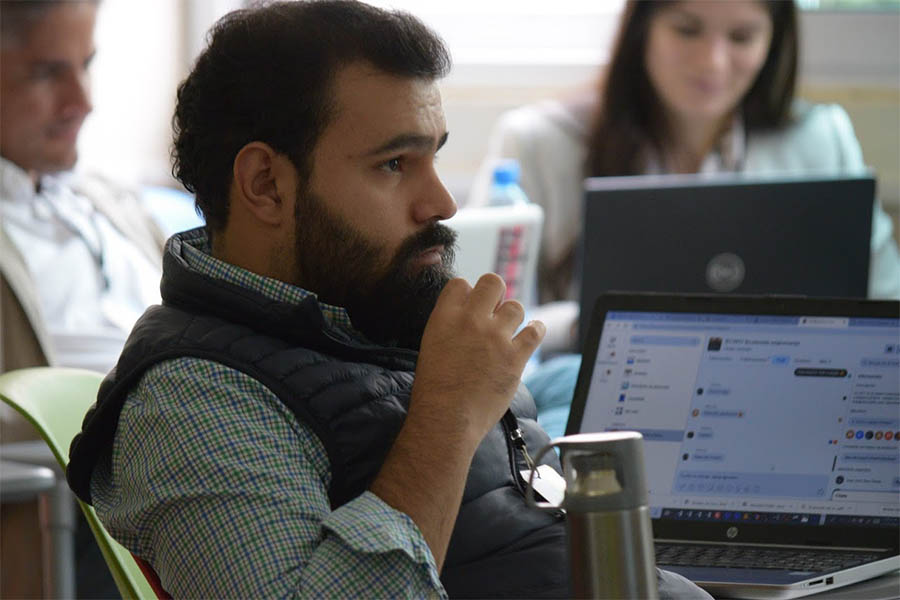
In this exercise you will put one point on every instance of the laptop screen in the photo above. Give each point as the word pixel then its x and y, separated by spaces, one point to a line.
pixel 701 234
pixel 754 415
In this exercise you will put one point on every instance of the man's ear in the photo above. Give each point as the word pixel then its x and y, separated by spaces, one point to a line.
pixel 261 183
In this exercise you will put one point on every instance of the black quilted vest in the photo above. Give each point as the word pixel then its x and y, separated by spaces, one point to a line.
pixel 354 396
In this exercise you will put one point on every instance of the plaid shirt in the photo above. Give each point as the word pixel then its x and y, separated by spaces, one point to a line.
pixel 216 483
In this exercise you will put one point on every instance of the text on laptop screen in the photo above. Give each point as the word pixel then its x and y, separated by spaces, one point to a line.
pixel 756 415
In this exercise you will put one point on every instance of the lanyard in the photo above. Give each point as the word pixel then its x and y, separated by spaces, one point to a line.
pixel 93 240
pixel 517 437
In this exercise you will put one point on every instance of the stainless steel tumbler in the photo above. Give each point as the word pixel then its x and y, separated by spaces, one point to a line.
pixel 608 520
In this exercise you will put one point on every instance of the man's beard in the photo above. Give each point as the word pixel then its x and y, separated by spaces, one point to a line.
pixel 338 264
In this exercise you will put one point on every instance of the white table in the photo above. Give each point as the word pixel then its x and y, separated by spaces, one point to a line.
pixel 20 481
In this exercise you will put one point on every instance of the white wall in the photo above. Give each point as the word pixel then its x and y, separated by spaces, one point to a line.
pixel 518 51
pixel 849 58
pixel 144 49
pixel 140 50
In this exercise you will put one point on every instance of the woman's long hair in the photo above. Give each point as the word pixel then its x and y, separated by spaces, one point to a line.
pixel 628 121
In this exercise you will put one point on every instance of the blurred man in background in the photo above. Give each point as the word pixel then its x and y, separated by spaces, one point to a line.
pixel 79 258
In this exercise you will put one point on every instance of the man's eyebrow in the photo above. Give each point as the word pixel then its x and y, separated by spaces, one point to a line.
pixel 57 63
pixel 409 141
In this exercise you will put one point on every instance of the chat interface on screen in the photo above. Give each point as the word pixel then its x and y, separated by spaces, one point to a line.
pixel 756 415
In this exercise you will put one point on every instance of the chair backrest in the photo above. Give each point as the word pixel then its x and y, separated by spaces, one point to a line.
pixel 55 400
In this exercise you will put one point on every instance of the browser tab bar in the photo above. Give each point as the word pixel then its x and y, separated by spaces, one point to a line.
pixel 842 322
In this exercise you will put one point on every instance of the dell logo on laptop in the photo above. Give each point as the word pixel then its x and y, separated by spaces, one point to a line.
pixel 731 533
pixel 725 272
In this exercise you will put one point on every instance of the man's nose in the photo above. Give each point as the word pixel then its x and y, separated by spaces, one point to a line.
pixel 76 98
pixel 435 202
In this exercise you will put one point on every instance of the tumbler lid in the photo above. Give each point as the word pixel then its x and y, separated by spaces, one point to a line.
pixel 603 471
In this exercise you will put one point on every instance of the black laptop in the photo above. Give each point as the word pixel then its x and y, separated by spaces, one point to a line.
pixel 771 428
pixel 726 233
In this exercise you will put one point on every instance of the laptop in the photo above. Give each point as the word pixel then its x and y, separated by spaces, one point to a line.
pixel 500 239
pixel 727 233
pixel 770 430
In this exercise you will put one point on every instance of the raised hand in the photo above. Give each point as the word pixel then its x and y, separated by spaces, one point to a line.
pixel 470 360
pixel 469 366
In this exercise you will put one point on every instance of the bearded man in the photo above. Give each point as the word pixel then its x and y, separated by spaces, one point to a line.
pixel 318 408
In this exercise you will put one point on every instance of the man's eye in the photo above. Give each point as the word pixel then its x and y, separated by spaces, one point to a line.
pixel 44 72
pixel 393 165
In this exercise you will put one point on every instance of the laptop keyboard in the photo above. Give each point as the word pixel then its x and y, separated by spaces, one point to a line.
pixel 744 557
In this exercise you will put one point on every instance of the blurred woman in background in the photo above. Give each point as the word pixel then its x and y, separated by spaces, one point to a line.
pixel 692 86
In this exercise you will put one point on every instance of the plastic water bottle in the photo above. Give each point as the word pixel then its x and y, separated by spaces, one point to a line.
pixel 608 520
pixel 505 193
pixel 505 189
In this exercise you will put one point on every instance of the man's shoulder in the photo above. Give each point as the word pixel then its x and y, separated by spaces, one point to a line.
pixel 194 384
pixel 212 412
pixel 168 331
pixel 121 205
pixel 93 183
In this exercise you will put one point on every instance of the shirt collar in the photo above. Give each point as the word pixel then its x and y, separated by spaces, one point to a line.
pixel 196 251
pixel 15 183
pixel 726 156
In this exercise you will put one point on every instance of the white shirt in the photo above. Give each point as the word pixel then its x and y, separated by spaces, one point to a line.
pixel 727 156
pixel 92 282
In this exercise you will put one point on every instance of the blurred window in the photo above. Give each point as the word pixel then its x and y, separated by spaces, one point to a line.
pixel 571 32
pixel 877 5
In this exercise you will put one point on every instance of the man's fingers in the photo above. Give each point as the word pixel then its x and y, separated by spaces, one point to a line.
pixel 527 340
pixel 487 294
pixel 510 314
pixel 455 292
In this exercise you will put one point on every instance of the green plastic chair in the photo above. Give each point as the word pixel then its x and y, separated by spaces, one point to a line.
pixel 55 400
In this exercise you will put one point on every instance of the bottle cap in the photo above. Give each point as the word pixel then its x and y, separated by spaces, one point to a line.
pixel 506 171
pixel 604 471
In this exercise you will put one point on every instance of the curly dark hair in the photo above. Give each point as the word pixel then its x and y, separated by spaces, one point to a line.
pixel 266 75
